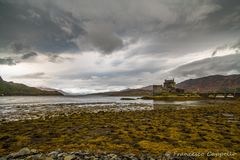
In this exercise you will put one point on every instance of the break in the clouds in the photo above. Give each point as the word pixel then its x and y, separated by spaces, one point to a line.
pixel 109 44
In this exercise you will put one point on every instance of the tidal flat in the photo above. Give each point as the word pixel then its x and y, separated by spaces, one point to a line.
pixel 136 129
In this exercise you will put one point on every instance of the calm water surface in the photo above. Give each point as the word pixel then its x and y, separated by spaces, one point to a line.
pixel 25 100
pixel 13 108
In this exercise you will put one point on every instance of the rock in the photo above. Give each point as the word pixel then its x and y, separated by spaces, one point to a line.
pixel 22 152
pixel 94 158
pixel 147 157
pixel 32 154
pixel 80 154
pixel 127 99
pixel 129 157
pixel 37 157
pixel 69 157
pixel 54 154
pixel 61 154
pixel 34 151
pixel 112 157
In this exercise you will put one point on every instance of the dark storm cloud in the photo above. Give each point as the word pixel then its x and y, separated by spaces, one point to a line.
pixel 235 45
pixel 57 58
pixel 38 75
pixel 117 74
pixel 29 27
pixel 216 65
pixel 167 27
pixel 102 38
pixel 7 61
pixel 214 53
pixel 219 49
pixel 29 55
pixel 200 25
pixel 24 27
pixel 13 60
pixel 19 47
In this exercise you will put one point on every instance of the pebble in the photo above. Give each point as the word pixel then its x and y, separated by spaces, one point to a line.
pixel 33 154
pixel 69 157
pixel 22 152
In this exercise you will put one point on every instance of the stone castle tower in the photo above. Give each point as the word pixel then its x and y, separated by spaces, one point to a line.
pixel 169 84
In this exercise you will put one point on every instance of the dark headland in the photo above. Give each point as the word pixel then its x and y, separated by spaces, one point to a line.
pixel 17 89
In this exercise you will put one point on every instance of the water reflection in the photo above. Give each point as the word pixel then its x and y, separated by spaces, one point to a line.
pixel 19 107
pixel 10 100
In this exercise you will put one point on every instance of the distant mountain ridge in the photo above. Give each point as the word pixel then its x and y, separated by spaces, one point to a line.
pixel 212 83
pixel 52 89
pixel 17 89
pixel 126 92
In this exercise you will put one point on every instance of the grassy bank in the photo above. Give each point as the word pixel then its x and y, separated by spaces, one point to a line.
pixel 172 98
pixel 212 127
pixel 184 98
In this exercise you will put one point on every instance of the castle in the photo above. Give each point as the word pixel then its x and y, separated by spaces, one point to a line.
pixel 169 86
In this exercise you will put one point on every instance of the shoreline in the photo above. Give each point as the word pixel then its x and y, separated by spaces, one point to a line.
pixel 34 110
pixel 23 112
pixel 184 98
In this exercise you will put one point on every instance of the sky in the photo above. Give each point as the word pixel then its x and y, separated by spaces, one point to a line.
pixel 86 46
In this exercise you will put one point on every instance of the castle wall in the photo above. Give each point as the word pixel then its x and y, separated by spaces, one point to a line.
pixel 157 90
pixel 168 86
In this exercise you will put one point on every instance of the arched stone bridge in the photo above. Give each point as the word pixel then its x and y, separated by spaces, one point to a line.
pixel 223 94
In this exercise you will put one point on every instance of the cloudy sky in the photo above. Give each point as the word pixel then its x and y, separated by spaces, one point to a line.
pixel 84 46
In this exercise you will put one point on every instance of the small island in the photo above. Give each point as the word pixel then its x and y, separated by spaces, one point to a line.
pixel 170 92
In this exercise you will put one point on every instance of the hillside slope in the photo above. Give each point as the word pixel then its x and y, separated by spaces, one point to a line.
pixel 211 83
pixel 127 92
pixel 17 89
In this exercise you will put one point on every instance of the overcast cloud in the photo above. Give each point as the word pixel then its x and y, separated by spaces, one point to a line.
pixel 97 45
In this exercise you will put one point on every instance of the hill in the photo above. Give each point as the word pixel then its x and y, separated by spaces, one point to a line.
pixel 145 91
pixel 212 83
pixel 17 89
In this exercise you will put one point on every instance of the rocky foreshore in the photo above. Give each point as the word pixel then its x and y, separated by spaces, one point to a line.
pixel 163 132
pixel 33 154
pixel 42 111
